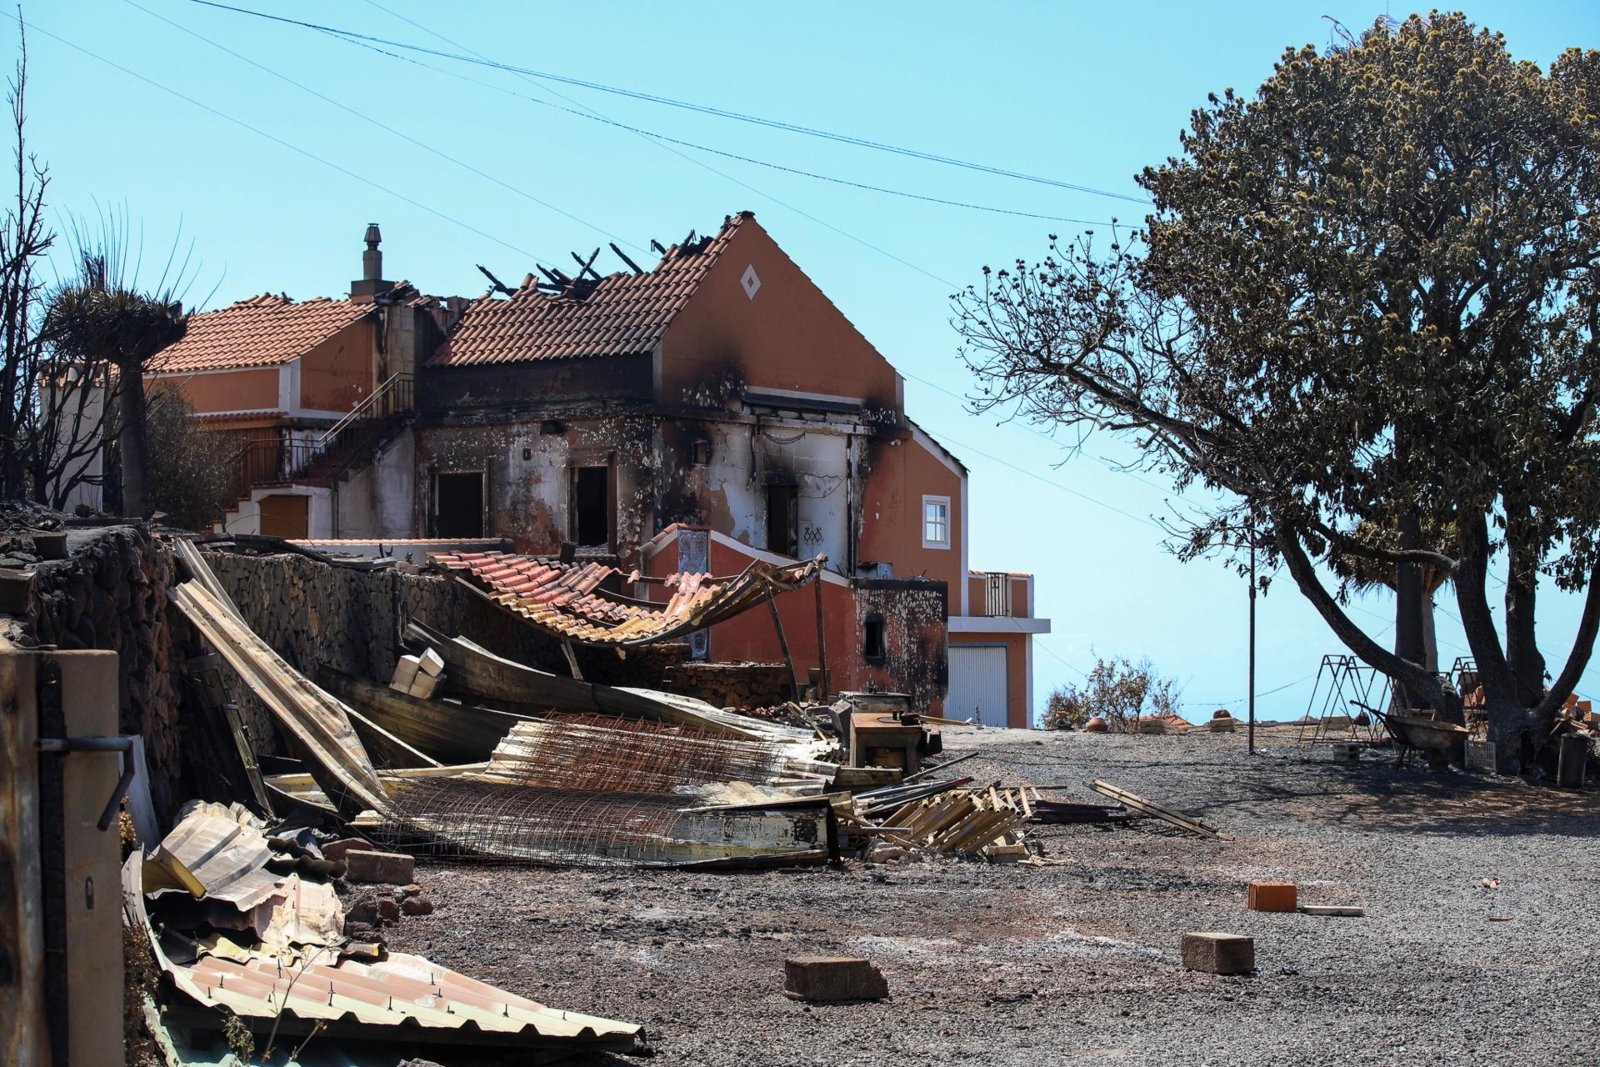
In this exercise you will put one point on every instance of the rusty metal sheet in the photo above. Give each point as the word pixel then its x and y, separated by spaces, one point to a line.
pixel 402 997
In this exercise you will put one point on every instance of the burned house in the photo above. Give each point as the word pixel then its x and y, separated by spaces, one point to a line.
pixel 714 410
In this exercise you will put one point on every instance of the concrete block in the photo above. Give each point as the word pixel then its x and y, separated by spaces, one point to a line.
pixel 1273 896
pixel 426 685
pixel 341 849
pixel 405 672
pixel 432 663
pixel 1214 953
pixel 833 978
pixel 386 868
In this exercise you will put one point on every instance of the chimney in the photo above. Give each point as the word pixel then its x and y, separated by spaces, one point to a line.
pixel 371 283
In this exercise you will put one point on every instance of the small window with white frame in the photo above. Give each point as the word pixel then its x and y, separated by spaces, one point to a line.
pixel 935 522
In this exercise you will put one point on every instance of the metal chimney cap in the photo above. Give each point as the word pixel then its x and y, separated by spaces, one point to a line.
pixel 373 236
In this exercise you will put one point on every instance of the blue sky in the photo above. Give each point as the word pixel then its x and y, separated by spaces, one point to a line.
pixel 269 186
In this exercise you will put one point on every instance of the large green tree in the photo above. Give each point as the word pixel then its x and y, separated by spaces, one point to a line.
pixel 1366 299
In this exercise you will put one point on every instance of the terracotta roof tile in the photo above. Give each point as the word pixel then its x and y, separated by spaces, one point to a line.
pixel 565 599
pixel 620 315
pixel 263 331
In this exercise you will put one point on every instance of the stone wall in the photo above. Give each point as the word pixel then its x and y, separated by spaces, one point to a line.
pixel 732 685
pixel 111 593
pixel 313 613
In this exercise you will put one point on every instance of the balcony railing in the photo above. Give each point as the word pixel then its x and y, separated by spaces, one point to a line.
pixel 997 595
pixel 282 458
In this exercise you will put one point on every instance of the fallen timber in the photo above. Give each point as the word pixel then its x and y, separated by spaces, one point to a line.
pixel 319 723
pixel 449 733
pixel 475 670
pixel 1150 807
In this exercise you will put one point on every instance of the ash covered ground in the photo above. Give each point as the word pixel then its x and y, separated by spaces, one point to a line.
pixel 1078 962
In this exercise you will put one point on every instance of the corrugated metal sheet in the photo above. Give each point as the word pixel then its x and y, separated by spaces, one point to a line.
pixel 565 599
pixel 403 990
pixel 227 858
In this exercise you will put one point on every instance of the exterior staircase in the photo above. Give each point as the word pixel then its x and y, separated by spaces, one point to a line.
pixel 350 444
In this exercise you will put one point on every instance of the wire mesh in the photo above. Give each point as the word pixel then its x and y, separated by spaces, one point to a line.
pixel 491 821
pixel 608 755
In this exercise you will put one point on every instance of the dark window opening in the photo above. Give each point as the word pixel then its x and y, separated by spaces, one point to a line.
pixel 874 640
pixel 591 513
pixel 702 453
pixel 783 520
pixel 459 500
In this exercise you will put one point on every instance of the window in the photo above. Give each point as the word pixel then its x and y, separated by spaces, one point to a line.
pixel 458 500
pixel 591 507
pixel 935 522
pixel 783 520
pixel 874 641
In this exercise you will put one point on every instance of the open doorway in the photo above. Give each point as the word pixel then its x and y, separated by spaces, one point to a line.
pixel 783 519
pixel 591 507
pixel 458 500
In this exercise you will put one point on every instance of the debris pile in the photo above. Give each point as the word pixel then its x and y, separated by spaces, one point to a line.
pixel 249 932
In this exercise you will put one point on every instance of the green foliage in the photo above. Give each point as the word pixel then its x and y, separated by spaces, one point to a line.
pixel 191 470
pixel 1369 290
pixel 1115 688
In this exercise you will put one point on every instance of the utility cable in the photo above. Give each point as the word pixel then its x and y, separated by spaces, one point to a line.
pixel 347 172
pixel 705 109
pixel 363 116
pixel 713 170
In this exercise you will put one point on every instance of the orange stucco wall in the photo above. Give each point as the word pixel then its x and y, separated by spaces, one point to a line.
pixel 788 336
pixel 898 477
pixel 238 390
pixel 337 374
pixel 977 594
pixel 1017 710
pixel 752 637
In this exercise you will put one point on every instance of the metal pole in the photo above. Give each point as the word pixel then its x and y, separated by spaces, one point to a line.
pixel 1251 729
pixel 822 644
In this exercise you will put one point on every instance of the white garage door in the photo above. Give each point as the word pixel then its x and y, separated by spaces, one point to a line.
pixel 977 684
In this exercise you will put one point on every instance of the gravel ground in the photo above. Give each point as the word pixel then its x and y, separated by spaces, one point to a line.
pixel 1078 962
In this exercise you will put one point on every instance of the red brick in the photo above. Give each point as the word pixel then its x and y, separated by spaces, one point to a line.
pixel 341 849
pixel 1273 896
pixel 387 868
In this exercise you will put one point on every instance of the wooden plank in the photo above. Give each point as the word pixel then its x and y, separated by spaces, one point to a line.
pixel 388 750
pixel 451 733
pixel 476 670
pixel 317 721
pixel 1328 909
pixel 1150 807
pixel 24 1019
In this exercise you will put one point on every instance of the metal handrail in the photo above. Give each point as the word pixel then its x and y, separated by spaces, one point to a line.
pixel 392 385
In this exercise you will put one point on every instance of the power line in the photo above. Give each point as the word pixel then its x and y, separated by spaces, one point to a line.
pixel 863 242
pixel 286 144
pixel 1097 502
pixel 705 109
pixel 363 116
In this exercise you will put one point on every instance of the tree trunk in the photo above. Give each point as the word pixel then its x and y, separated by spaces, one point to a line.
pixel 1409 642
pixel 131 442
pixel 1522 649
pixel 1508 719
pixel 1430 636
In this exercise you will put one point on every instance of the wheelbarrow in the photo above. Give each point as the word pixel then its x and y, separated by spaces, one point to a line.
pixel 1419 731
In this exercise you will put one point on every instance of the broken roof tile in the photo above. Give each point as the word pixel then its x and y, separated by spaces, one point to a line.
pixel 620 315
pixel 566 599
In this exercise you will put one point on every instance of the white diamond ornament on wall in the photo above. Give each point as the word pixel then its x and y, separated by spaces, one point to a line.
pixel 751 281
